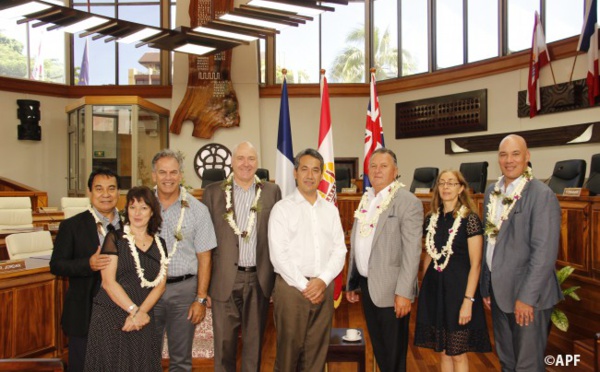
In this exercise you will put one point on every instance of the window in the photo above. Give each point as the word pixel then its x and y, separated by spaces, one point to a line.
pixel 466 31
pixel 31 53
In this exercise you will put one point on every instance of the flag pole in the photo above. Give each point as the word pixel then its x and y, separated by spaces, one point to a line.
pixel 552 71
pixel 573 67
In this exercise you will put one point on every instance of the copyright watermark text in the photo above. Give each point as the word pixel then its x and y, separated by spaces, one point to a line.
pixel 560 360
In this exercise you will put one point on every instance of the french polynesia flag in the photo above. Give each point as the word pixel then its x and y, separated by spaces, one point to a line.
pixel 539 58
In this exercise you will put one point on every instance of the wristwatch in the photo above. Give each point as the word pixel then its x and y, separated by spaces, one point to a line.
pixel 472 299
pixel 201 300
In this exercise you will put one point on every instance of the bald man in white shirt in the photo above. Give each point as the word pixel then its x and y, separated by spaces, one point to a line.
pixel 307 249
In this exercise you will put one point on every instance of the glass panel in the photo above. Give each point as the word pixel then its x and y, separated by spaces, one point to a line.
pixel 112 140
pixel 73 154
pixel 81 168
pixel 262 79
pixel 449 33
pixel 343 43
pixel 302 63
pixel 13 49
pixel 139 66
pixel 563 19
pixel 482 37
pixel 414 33
pixel 521 16
pixel 152 130
pixel 386 39
pixel 101 55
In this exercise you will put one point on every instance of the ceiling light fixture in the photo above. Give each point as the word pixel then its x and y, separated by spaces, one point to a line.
pixel 231 35
pixel 139 35
pixel 82 25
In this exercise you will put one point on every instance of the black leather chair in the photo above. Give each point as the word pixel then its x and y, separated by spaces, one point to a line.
pixel 476 175
pixel 342 178
pixel 424 178
pixel 567 173
pixel 593 183
pixel 212 175
pixel 263 174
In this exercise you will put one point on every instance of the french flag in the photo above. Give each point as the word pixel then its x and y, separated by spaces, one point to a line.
pixel 588 42
pixel 284 159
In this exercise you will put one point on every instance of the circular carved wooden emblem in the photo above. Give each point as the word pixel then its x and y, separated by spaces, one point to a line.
pixel 211 156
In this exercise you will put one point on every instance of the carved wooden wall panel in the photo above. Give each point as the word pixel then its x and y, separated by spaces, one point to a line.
pixel 455 113
pixel 210 101
pixel 557 98
pixel 559 136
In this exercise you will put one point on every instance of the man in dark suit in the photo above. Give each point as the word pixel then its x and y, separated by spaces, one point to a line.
pixel 76 255
pixel 518 279
pixel 242 274
pixel 384 259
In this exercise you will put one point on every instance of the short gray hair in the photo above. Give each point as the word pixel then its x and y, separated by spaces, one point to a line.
pixel 310 152
pixel 167 153
pixel 384 150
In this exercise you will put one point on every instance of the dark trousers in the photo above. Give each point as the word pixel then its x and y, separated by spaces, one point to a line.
pixel 520 348
pixel 77 347
pixel 389 335
pixel 246 308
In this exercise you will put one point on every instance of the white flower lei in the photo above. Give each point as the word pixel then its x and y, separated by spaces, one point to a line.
pixel 230 212
pixel 367 227
pixel 178 235
pixel 446 250
pixel 97 220
pixel 164 261
pixel 508 203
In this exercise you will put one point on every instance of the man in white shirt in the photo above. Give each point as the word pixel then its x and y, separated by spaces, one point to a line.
pixel 307 250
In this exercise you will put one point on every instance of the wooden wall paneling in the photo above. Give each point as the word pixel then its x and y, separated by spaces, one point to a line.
pixel 35 312
pixel 574 238
pixel 6 319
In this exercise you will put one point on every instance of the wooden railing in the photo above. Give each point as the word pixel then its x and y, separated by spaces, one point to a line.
pixel 12 188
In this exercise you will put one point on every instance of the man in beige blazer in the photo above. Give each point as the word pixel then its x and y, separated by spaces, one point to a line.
pixel 384 259
pixel 242 274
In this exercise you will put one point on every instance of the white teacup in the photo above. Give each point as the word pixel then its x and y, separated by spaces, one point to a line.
pixel 352 334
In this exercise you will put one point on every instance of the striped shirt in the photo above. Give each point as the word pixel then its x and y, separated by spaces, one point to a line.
pixel 198 235
pixel 242 202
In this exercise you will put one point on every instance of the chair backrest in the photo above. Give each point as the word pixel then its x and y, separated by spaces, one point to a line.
pixel 424 178
pixel 28 244
pixel 32 364
pixel 342 178
pixel 15 212
pixel 597 353
pixel 263 174
pixel 73 206
pixel 476 175
pixel 211 175
pixel 567 173
pixel 593 183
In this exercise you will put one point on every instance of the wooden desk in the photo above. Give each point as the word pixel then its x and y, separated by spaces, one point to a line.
pixel 30 313
pixel 342 351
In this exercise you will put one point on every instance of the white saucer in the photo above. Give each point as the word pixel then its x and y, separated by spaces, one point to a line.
pixel 351 339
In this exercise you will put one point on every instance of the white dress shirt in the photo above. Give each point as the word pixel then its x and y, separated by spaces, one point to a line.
pixel 363 244
pixel 306 241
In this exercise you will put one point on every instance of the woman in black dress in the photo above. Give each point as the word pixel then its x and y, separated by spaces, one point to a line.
pixel 450 316
pixel 122 335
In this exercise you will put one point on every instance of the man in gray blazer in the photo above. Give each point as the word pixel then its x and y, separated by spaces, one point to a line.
pixel 518 279
pixel 384 259
pixel 242 274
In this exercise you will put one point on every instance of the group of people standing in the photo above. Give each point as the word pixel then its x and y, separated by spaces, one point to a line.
pixel 153 273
